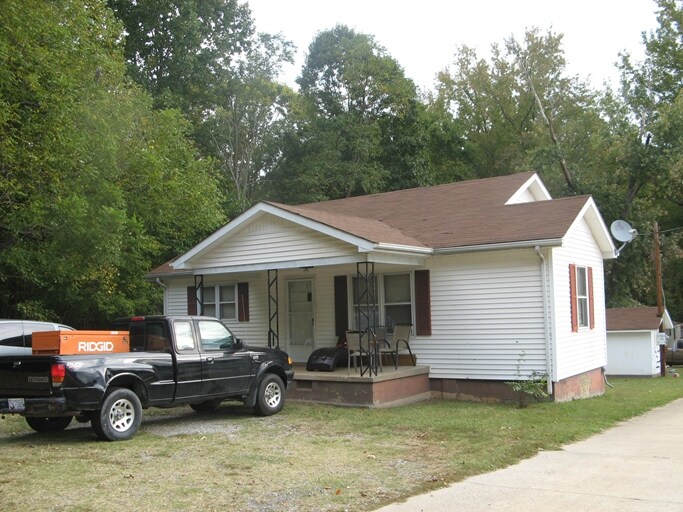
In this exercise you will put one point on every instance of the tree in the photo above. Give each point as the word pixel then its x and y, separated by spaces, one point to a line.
pixel 520 111
pixel 646 158
pixel 240 131
pixel 97 187
pixel 182 51
pixel 205 58
pixel 356 127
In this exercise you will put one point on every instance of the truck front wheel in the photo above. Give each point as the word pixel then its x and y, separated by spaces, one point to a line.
pixel 270 397
pixel 120 416
pixel 48 424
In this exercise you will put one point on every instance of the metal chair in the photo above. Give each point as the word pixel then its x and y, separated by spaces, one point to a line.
pixel 382 345
pixel 353 349
pixel 401 336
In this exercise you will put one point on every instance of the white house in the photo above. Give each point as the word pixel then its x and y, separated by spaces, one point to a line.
pixel 632 341
pixel 497 279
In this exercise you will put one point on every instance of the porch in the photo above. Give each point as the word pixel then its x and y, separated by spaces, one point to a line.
pixel 389 388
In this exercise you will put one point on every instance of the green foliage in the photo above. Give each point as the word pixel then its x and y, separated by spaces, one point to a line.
pixel 355 128
pixel 205 58
pixel 644 163
pixel 534 385
pixel 96 187
pixel 520 111
pixel 181 51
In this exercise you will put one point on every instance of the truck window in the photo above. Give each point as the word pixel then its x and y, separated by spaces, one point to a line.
pixel 214 335
pixel 137 336
pixel 156 337
pixel 183 335
pixel 12 334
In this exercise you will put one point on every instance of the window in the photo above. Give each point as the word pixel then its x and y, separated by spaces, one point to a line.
pixel 220 301
pixel 183 335
pixel 393 306
pixel 398 308
pixel 582 296
pixel 214 335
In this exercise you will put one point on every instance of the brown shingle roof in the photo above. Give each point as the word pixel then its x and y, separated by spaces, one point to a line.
pixel 462 214
pixel 632 319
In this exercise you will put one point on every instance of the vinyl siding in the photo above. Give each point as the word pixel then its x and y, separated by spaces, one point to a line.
pixel 584 350
pixel 176 296
pixel 487 316
pixel 255 331
pixel 269 240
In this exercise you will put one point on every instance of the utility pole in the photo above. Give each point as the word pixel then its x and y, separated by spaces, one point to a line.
pixel 658 270
pixel 660 294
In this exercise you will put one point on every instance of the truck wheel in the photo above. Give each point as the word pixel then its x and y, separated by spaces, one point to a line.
pixel 206 405
pixel 270 397
pixel 120 416
pixel 48 424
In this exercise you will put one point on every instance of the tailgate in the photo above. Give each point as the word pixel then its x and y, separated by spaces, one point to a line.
pixel 25 376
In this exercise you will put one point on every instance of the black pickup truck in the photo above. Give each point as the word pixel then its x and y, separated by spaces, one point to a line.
pixel 173 360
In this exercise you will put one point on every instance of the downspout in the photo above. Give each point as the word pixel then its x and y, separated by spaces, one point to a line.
pixel 546 326
pixel 161 283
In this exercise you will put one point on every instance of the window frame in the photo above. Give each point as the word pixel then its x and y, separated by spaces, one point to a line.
pixel 588 317
pixel 217 303
pixel 582 297
pixel 382 304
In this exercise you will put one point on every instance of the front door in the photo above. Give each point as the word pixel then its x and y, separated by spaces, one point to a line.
pixel 301 320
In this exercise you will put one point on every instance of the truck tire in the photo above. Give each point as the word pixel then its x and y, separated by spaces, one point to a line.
pixel 48 424
pixel 270 397
pixel 206 405
pixel 120 416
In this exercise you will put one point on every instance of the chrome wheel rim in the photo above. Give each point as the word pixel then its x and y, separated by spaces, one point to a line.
pixel 121 415
pixel 272 394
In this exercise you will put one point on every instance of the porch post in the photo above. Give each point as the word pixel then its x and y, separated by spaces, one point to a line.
pixel 199 293
pixel 273 318
pixel 366 320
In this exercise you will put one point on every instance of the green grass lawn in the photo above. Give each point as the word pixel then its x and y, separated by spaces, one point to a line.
pixel 307 458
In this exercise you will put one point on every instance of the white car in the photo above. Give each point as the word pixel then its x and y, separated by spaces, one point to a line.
pixel 15 335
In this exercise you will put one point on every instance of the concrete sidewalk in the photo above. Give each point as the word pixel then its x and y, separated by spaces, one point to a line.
pixel 636 466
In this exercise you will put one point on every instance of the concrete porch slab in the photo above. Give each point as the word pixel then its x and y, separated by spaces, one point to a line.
pixel 389 388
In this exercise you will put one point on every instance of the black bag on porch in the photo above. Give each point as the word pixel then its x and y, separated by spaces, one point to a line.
pixel 326 359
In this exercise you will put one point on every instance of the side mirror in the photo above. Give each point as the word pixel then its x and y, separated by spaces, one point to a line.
pixel 238 344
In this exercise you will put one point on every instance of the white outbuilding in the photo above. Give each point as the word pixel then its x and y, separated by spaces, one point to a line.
pixel 634 336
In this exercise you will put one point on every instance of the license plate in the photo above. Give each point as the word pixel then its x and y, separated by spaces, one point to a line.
pixel 16 404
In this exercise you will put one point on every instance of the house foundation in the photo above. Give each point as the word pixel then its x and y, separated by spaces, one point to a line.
pixel 584 385
pixel 390 388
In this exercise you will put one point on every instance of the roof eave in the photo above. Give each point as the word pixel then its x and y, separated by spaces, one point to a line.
pixel 522 244
pixel 381 246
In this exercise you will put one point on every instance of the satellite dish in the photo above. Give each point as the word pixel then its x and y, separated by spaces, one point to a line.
pixel 622 231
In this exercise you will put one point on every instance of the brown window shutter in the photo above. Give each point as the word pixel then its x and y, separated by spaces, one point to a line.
pixel 591 302
pixel 423 304
pixel 572 298
pixel 191 301
pixel 341 305
pixel 243 302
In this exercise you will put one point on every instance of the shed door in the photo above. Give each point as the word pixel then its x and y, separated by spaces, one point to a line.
pixel 301 320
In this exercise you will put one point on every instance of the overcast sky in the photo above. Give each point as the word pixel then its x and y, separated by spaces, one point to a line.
pixel 422 35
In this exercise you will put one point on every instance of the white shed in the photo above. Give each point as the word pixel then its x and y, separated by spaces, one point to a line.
pixel 632 341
